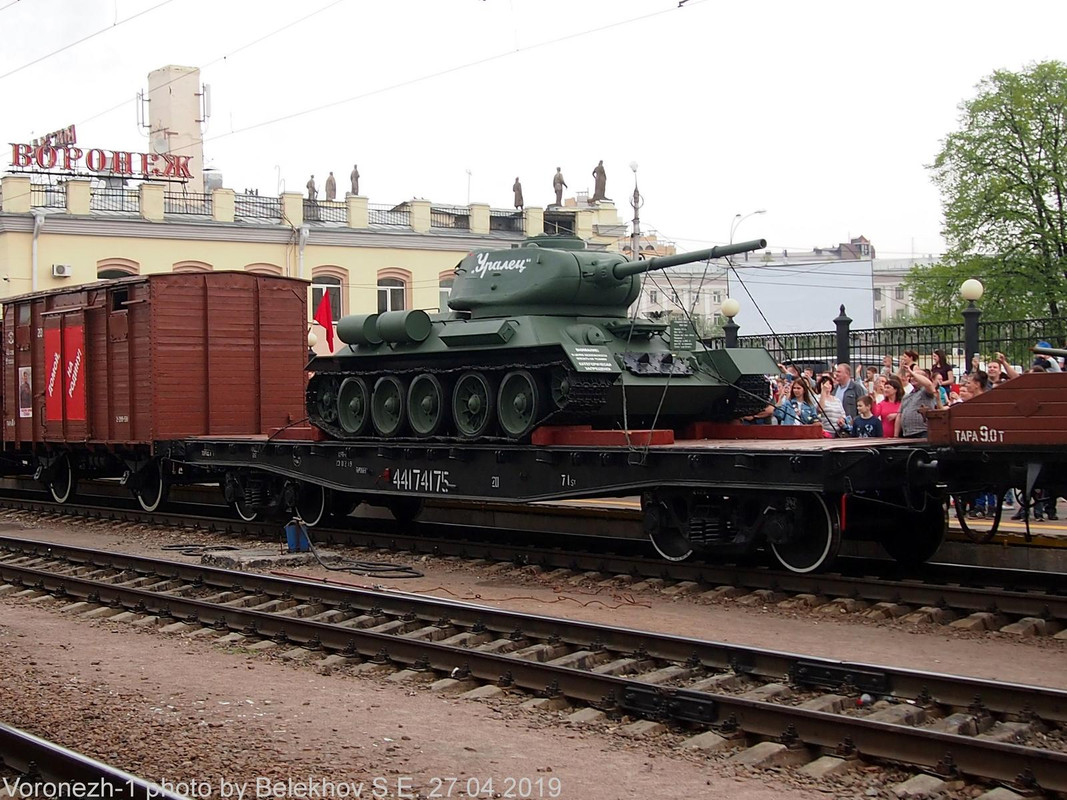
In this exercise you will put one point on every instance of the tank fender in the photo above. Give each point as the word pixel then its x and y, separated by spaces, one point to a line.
pixel 733 363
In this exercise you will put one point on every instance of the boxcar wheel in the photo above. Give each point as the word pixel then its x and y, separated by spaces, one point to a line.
pixel 152 488
pixel 63 484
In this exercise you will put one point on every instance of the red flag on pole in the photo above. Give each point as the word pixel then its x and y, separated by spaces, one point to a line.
pixel 324 316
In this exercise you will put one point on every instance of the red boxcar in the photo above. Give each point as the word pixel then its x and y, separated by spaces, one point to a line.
pixel 97 374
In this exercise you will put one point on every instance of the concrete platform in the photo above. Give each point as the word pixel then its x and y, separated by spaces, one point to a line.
pixel 262 558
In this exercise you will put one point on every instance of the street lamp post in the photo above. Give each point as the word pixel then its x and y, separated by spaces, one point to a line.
pixel 971 291
pixel 730 309
pixel 738 219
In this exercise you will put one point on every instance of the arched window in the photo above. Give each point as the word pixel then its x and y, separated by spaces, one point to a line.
pixel 394 289
pixel 264 269
pixel 191 266
pixel 109 268
pixel 326 284
pixel 444 284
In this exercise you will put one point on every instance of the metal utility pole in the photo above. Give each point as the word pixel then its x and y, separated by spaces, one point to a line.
pixel 635 234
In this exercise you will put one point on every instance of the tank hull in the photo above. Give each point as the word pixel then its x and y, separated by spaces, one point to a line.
pixel 517 373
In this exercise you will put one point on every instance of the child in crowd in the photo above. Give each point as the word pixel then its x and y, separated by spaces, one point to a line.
pixel 866 426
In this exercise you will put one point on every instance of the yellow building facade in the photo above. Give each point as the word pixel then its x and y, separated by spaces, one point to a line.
pixel 367 257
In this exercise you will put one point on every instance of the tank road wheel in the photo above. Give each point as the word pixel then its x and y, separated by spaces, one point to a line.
pixel 63 484
pixel 326 399
pixel 811 539
pixel 151 490
pixel 426 405
pixel 311 504
pixel 353 405
pixel 559 385
pixel 387 406
pixel 472 405
pixel 518 403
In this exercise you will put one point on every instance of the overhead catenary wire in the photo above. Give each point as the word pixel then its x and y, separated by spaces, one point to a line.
pixel 82 40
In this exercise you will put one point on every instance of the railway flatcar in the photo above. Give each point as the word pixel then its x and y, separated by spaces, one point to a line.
pixel 95 376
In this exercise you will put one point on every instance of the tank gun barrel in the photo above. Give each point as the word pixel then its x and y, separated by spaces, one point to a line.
pixel 662 262
pixel 1055 352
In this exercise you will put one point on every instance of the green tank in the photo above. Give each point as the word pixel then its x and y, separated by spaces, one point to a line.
pixel 538 334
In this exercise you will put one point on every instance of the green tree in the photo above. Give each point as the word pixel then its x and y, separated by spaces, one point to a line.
pixel 1003 182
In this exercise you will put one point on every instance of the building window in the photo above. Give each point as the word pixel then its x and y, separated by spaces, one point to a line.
pixel 716 298
pixel 878 316
pixel 444 290
pixel 877 294
pixel 653 296
pixel 110 268
pixel 324 284
pixel 900 293
pixel 390 295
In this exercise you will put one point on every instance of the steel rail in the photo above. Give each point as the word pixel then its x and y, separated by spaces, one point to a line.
pixel 441 539
pixel 874 738
pixel 47 761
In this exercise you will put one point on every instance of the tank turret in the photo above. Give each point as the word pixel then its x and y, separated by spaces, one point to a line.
pixel 533 279
pixel 537 334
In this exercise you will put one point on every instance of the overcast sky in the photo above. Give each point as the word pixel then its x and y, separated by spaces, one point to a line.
pixel 822 113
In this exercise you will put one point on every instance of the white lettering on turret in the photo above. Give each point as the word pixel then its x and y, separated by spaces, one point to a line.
pixel 484 265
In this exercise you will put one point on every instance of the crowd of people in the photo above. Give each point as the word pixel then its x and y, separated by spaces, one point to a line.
pixel 892 400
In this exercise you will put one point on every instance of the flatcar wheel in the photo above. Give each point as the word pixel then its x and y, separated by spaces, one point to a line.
pixel 63 484
pixel 241 509
pixel 387 406
pixel 472 405
pixel 426 405
pixel 343 503
pixel 667 538
pixel 353 405
pixel 979 523
pixel 916 536
pixel 814 538
pixel 311 504
pixel 152 488
pixel 404 509
pixel 518 403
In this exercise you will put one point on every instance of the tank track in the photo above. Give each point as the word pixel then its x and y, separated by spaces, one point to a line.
pixel 586 393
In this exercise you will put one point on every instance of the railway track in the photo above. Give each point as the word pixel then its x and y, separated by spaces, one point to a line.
pixel 976 598
pixel 730 695
pixel 45 769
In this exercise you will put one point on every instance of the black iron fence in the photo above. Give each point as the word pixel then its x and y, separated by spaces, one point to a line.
pixel 1013 338
pixel 109 199
pixel 48 195
pixel 193 203
pixel 455 217
pixel 507 221
pixel 326 211
pixel 389 215
pixel 559 223
pixel 252 206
